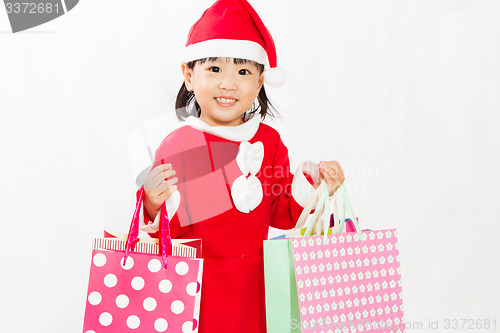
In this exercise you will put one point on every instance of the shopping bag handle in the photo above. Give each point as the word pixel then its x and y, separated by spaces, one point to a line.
pixel 165 237
pixel 323 198
pixel 308 207
pixel 347 208
pixel 324 202
pixel 164 233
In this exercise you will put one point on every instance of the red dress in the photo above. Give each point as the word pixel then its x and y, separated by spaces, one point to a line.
pixel 207 166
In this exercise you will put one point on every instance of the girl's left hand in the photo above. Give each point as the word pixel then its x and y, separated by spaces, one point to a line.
pixel 332 173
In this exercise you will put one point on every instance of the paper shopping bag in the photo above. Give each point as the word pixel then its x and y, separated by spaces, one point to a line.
pixel 141 296
pixel 345 282
pixel 143 292
pixel 282 308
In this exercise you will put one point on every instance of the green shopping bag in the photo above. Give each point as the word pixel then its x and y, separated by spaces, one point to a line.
pixel 282 305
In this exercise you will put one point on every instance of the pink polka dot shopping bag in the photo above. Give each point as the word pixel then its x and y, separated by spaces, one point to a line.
pixel 143 292
pixel 333 281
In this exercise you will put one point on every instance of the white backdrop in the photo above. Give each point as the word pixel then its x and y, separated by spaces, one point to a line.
pixel 405 94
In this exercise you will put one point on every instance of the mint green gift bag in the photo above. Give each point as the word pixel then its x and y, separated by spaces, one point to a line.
pixel 282 305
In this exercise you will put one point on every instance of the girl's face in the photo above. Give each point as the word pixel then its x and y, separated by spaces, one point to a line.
pixel 224 90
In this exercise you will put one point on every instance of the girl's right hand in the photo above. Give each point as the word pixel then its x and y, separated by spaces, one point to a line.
pixel 157 188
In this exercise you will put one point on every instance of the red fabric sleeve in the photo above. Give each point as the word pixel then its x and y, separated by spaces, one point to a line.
pixel 309 178
pixel 171 152
pixel 285 210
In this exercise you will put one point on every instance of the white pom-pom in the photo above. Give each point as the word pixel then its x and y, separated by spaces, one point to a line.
pixel 275 77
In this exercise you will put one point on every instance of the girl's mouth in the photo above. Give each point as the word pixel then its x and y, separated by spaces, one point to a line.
pixel 225 101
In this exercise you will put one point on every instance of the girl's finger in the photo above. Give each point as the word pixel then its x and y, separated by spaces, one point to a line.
pixel 163 175
pixel 166 184
pixel 158 169
pixel 334 178
pixel 334 170
pixel 330 182
pixel 172 182
pixel 328 170
pixel 338 169
pixel 326 176
pixel 168 192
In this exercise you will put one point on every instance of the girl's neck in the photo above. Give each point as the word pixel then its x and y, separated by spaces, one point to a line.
pixel 243 132
pixel 214 122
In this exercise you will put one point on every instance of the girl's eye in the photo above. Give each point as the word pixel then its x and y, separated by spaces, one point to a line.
pixel 215 69
pixel 244 71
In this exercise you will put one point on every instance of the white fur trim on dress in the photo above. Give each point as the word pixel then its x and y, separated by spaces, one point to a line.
pixel 246 192
pixel 250 157
pixel 230 48
pixel 302 190
pixel 172 204
pixel 243 132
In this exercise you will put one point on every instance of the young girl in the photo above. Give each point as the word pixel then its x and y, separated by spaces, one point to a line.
pixel 225 176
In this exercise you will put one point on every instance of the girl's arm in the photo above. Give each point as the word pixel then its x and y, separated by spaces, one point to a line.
pixel 291 192
pixel 164 184
pixel 158 188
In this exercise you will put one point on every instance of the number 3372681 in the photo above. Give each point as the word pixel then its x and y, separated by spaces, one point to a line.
pixel 31 8
pixel 470 324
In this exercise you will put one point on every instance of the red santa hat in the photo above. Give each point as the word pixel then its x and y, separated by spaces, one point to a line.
pixel 232 28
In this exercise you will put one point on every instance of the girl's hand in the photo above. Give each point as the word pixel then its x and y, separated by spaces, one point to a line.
pixel 332 173
pixel 157 188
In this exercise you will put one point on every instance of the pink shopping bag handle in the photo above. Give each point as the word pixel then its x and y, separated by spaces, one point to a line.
pixel 165 238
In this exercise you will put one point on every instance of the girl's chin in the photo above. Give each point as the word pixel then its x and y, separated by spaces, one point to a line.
pixel 229 121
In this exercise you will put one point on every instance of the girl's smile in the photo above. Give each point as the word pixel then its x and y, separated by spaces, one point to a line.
pixel 225 102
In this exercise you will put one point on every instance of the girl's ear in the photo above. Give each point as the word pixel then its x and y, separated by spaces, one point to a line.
pixel 188 76
pixel 261 82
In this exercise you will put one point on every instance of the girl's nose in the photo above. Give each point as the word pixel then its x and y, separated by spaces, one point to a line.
pixel 228 83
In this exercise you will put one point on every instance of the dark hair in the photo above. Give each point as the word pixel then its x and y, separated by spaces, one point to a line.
pixel 185 98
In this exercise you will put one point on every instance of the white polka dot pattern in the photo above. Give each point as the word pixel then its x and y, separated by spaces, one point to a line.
pixel 99 259
pixel 137 283
pixel 181 268
pixel 165 286
pixel 138 296
pixel 161 325
pixel 133 322
pixel 95 298
pixel 177 307
pixel 110 280
pixel 348 280
pixel 149 304
pixel 122 301
pixel 154 265
pixel 192 288
pixel 105 319
pixel 128 264
pixel 187 327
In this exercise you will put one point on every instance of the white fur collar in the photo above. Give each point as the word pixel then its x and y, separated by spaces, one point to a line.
pixel 243 132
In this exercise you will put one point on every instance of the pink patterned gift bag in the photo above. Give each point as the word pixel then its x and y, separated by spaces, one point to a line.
pixel 143 292
pixel 141 296
pixel 345 284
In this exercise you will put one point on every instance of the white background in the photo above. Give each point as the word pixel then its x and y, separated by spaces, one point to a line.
pixel 405 94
